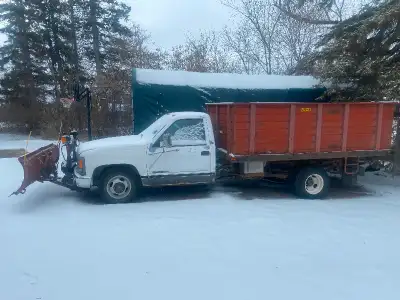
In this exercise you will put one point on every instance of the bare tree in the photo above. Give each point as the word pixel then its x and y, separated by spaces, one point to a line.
pixel 135 51
pixel 203 54
pixel 332 12
pixel 261 22
pixel 297 39
pixel 112 94
pixel 239 41
pixel 266 40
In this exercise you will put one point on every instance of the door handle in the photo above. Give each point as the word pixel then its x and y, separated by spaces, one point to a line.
pixel 205 153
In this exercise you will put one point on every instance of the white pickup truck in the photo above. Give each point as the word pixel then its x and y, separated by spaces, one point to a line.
pixel 179 148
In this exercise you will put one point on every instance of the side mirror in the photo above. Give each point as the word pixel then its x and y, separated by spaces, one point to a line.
pixel 166 140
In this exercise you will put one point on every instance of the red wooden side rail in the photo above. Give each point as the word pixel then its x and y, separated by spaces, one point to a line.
pixel 298 128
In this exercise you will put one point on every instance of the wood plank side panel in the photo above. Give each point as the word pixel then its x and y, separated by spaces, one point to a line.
pixel 234 137
pixel 230 146
pixel 292 127
pixel 258 128
pixel 379 127
pixel 345 125
pixel 241 123
pixel 362 127
pixel 272 128
pixel 222 132
pixel 306 128
pixel 319 127
pixel 217 119
pixel 252 135
pixel 332 129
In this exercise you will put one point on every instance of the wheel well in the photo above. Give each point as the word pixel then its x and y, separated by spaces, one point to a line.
pixel 99 172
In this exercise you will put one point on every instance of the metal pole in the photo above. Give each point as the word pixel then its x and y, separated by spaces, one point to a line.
pixel 89 116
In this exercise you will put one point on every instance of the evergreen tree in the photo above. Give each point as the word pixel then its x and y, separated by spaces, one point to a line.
pixel 23 84
pixel 360 57
pixel 103 22
pixel 75 25
pixel 51 44
pixel 332 11
pixel 55 27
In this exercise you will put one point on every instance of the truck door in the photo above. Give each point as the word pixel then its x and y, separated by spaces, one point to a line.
pixel 187 152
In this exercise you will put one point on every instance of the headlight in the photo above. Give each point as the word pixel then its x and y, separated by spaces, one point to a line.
pixel 80 166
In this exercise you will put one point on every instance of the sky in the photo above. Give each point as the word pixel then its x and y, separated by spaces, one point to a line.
pixel 168 21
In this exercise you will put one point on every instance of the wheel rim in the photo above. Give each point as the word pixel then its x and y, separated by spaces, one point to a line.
pixel 314 184
pixel 119 187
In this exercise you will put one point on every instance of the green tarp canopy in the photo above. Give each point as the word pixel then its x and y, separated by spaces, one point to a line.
pixel 156 92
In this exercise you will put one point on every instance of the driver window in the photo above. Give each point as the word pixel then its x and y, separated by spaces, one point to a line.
pixel 186 132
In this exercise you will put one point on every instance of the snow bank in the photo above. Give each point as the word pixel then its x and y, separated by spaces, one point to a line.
pixel 381 183
pixel 223 80
pixel 15 141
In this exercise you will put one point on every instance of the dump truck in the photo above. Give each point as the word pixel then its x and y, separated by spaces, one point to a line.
pixel 303 145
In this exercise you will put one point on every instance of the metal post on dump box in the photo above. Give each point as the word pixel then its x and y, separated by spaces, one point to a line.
pixel 78 98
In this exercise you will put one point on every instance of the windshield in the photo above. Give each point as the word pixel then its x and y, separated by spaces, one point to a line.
pixel 154 128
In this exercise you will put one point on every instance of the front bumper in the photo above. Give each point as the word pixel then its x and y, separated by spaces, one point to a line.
pixel 83 182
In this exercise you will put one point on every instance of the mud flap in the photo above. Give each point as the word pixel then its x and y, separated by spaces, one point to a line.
pixel 39 165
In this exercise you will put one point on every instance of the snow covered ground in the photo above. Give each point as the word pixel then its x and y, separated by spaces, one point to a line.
pixel 238 244
pixel 14 141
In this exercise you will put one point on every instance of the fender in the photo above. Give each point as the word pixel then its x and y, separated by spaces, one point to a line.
pixel 101 170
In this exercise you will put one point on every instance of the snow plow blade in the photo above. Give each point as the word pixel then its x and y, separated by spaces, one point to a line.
pixel 38 165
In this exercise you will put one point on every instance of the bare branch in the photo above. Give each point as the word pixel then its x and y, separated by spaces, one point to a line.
pixel 287 11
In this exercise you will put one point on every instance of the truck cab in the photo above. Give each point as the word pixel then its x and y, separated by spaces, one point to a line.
pixel 177 149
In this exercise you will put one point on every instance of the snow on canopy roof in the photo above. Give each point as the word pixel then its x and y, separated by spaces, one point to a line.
pixel 224 80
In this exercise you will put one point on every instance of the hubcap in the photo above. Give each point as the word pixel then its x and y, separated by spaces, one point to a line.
pixel 314 184
pixel 119 187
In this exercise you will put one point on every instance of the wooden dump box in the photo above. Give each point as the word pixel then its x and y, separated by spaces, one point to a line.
pixel 303 129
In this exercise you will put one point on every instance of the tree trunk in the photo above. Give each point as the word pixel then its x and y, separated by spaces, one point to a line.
pixel 22 39
pixel 75 54
pixel 95 32
pixel 57 50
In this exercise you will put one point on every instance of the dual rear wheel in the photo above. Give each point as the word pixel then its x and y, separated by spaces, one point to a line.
pixel 312 183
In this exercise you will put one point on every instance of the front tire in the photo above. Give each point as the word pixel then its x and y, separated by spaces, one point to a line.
pixel 312 183
pixel 118 187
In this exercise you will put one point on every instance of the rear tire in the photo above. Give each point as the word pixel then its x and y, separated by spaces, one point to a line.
pixel 312 183
pixel 118 187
